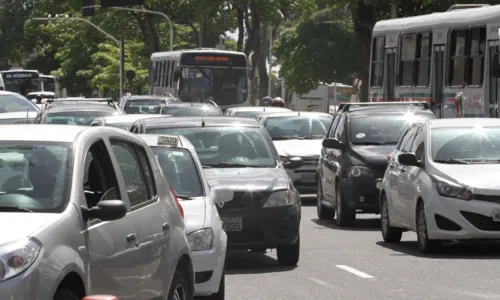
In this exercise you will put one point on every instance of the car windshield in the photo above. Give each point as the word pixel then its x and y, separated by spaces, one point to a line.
pixel 298 127
pixel 34 176
pixel 15 103
pixel 124 126
pixel 180 168
pixel 192 111
pixel 76 117
pixel 382 129
pixel 248 114
pixel 17 121
pixel 475 144
pixel 227 147
pixel 143 106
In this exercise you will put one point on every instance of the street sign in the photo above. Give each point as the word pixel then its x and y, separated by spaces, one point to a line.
pixel 120 3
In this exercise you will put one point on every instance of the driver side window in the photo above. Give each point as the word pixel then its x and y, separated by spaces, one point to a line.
pixel 407 140
pixel 340 133
pixel 418 144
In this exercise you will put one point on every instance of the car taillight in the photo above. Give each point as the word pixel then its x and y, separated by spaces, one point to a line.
pixel 177 201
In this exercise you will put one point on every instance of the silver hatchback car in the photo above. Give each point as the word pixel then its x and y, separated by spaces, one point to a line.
pixel 87 210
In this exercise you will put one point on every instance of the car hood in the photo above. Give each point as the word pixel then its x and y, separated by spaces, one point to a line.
pixel 194 214
pixel 244 179
pixel 20 225
pixel 478 178
pixel 300 148
pixel 372 156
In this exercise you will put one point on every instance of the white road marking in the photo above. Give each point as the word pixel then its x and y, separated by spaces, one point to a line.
pixel 355 272
pixel 320 282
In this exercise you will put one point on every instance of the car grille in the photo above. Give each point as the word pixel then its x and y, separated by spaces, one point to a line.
pixel 481 222
pixel 245 200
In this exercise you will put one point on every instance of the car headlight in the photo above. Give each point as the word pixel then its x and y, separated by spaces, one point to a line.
pixel 447 188
pixel 281 198
pixel 200 240
pixel 359 171
pixel 16 257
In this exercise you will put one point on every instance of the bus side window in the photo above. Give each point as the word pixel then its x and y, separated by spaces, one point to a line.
pixel 378 52
pixel 458 57
pixel 167 74
pixel 172 72
pixel 408 56
pixel 475 64
pixel 423 65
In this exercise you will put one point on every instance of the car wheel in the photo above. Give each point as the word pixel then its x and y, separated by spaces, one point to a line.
pixel 324 212
pixel 65 294
pixel 289 255
pixel 389 233
pixel 221 293
pixel 345 215
pixel 179 289
pixel 425 245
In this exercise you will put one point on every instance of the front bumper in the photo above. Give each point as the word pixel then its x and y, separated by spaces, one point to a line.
pixel 361 193
pixel 469 219
pixel 26 286
pixel 208 266
pixel 304 179
pixel 264 227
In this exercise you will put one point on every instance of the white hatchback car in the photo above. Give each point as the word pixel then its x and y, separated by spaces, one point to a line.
pixel 441 183
pixel 207 240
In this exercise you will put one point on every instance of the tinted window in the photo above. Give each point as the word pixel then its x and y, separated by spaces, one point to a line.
pixel 305 127
pixel 76 117
pixel 381 129
pixel 474 144
pixel 132 172
pixel 335 121
pixel 124 126
pixel 193 111
pixel 340 129
pixel 232 146
pixel 34 175
pixel 14 103
pixel 143 106
pixel 177 165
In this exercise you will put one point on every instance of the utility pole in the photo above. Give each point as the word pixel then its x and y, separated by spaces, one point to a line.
pixel 269 81
pixel 394 11
pixel 122 65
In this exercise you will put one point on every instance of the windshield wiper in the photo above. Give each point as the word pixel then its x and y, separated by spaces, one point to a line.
pixel 369 143
pixel 452 161
pixel 184 197
pixel 206 167
pixel 14 209
pixel 281 138
pixel 230 165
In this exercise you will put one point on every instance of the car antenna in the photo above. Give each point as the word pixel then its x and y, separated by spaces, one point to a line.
pixel 202 123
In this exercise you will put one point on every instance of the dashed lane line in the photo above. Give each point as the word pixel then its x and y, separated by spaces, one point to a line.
pixel 355 272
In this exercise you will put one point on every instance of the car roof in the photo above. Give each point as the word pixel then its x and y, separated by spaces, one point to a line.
pixel 40 132
pixel 81 107
pixel 9 93
pixel 207 121
pixel 259 108
pixel 296 114
pixel 148 97
pixel 388 110
pixel 463 122
pixel 183 143
pixel 130 118
pixel 18 114
pixel 192 104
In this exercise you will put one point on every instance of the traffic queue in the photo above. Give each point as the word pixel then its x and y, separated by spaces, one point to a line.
pixel 143 198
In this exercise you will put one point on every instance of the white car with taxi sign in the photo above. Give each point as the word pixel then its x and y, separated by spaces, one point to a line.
pixel 441 183
pixel 207 240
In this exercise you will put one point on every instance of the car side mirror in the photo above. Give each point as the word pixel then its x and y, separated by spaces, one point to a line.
pixel 408 159
pixel 332 143
pixel 222 195
pixel 105 210
pixel 293 163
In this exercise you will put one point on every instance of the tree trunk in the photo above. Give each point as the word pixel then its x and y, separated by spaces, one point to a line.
pixel 261 60
pixel 241 29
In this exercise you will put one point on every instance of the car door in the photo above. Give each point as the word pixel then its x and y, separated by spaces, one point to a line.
pixel 335 155
pixel 325 174
pixel 148 215
pixel 409 179
pixel 393 171
pixel 111 254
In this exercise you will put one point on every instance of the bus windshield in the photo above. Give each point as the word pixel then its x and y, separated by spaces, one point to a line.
pixel 49 84
pixel 228 86
pixel 21 84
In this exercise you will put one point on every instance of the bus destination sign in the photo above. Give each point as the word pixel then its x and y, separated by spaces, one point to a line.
pixel 19 75
pixel 211 58
pixel 214 59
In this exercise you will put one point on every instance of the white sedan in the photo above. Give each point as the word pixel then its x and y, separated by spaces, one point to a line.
pixel 207 239
pixel 442 183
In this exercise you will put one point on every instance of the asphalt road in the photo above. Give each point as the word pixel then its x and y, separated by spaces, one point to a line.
pixel 355 264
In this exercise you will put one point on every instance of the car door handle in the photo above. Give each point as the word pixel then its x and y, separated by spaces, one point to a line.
pixel 165 226
pixel 132 237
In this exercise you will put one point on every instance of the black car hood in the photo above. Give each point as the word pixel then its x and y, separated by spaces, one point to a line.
pixel 373 156
pixel 244 179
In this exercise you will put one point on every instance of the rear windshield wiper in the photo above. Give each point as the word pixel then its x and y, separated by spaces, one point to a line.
pixel 452 161
pixel 14 209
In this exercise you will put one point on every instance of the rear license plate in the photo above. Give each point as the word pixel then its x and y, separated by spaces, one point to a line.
pixel 308 177
pixel 496 215
pixel 232 224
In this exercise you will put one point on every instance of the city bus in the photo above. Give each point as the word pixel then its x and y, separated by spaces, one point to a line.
pixel 199 74
pixel 49 84
pixel 21 81
pixel 444 59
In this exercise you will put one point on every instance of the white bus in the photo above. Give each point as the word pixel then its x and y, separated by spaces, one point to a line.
pixel 50 84
pixel 26 82
pixel 195 75
pixel 443 58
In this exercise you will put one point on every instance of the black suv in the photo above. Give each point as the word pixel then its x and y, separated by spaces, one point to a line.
pixel 81 111
pixel 354 157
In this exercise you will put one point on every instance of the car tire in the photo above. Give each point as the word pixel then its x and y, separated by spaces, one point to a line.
pixel 425 245
pixel 289 255
pixel 65 294
pixel 345 216
pixel 324 212
pixel 221 293
pixel 389 234
pixel 179 289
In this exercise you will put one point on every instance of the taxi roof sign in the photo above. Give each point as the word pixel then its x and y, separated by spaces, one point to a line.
pixel 168 140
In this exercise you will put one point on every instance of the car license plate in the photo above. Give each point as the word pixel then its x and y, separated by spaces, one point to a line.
pixel 496 215
pixel 309 177
pixel 232 224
